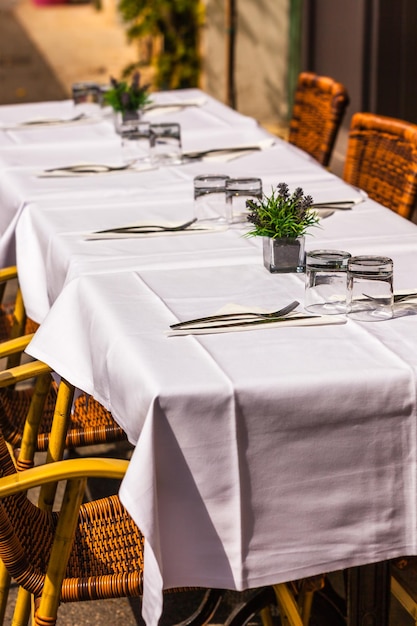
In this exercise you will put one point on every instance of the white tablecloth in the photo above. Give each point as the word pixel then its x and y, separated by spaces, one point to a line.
pixel 260 456
pixel 26 152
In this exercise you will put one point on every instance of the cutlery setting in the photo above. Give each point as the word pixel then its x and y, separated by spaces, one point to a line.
pixel 342 205
pixel 45 121
pixel 147 228
pixel 230 319
pixel 90 168
pixel 185 104
pixel 200 154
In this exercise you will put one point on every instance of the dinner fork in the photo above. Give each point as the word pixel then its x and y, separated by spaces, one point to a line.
pixel 239 316
pixel 147 228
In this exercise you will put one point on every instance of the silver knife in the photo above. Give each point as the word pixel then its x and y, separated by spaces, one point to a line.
pixel 248 323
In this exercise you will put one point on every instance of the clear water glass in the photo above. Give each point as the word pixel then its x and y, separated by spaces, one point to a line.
pixel 165 144
pixel 326 281
pixel 370 292
pixel 135 142
pixel 210 198
pixel 238 191
pixel 86 94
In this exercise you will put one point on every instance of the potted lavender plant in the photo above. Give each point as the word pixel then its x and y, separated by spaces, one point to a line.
pixel 282 219
pixel 127 100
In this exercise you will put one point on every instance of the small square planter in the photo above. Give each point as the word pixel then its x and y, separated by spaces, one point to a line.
pixel 284 255
pixel 122 119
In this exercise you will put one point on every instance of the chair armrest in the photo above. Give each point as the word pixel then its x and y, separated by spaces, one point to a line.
pixel 13 346
pixel 19 373
pixel 7 273
pixel 62 470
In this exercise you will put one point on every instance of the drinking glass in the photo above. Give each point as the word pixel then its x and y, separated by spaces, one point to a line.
pixel 210 198
pixel 165 143
pixel 238 190
pixel 135 141
pixel 326 281
pixel 370 295
pixel 86 94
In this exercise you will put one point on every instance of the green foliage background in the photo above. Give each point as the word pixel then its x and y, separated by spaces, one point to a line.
pixel 178 22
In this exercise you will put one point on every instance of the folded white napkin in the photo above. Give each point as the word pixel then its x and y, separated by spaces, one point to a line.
pixel 163 108
pixel 195 229
pixel 346 202
pixel 323 213
pixel 294 319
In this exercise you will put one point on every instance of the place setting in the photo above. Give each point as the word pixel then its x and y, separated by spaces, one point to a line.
pixel 132 231
pixel 237 318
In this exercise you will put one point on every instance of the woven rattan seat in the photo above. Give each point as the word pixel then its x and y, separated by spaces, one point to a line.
pixel 381 159
pixel 90 422
pixel 106 559
pixel 90 551
pixel 319 107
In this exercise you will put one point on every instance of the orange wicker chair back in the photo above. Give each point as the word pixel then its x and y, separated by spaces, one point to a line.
pixel 319 107
pixel 381 159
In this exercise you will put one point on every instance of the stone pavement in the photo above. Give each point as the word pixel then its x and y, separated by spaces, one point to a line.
pixel 45 49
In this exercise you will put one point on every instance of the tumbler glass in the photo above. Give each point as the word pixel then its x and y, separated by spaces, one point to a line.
pixel 210 198
pixel 165 143
pixel 86 94
pixel 238 191
pixel 135 141
pixel 326 281
pixel 370 294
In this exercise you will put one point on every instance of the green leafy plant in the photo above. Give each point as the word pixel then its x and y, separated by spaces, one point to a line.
pixel 281 215
pixel 124 97
pixel 176 25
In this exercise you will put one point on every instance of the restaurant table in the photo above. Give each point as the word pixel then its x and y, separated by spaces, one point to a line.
pixel 27 151
pixel 261 456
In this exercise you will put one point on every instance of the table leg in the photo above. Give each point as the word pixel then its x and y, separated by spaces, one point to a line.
pixel 369 595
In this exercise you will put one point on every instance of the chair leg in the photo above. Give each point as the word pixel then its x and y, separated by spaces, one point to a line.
pixel 57 438
pixel 33 420
pixel 19 319
pixel 266 617
pixel 55 453
pixel 287 605
pixel 46 614
pixel 21 613
pixel 22 608
pixel 4 590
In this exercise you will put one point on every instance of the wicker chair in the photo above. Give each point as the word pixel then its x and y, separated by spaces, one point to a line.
pixel 90 551
pixel 381 159
pixel 90 423
pixel 319 107
pixel 103 559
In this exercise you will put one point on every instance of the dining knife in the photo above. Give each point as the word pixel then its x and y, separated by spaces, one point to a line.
pixel 238 324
